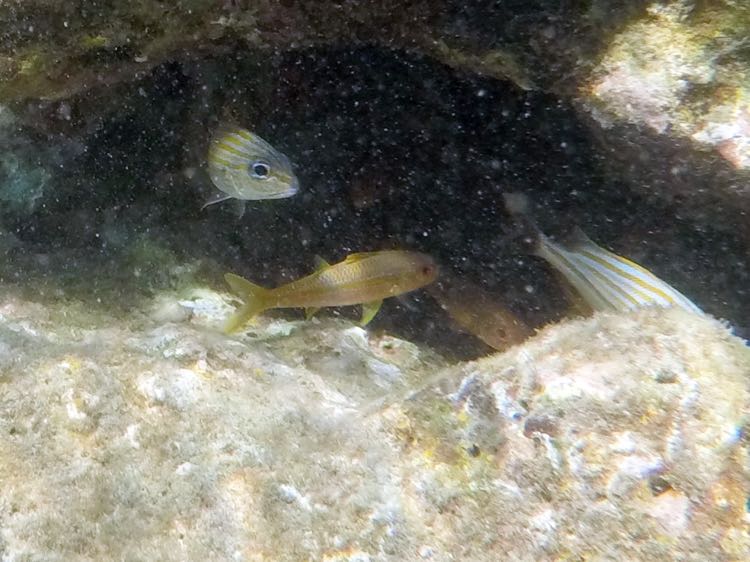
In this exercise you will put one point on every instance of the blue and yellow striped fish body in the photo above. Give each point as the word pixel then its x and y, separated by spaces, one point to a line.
pixel 244 166
pixel 608 281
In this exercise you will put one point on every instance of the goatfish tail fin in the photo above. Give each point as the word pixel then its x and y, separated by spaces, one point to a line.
pixel 255 300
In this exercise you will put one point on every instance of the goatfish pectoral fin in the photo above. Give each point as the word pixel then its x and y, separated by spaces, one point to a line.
pixel 255 300
pixel 369 310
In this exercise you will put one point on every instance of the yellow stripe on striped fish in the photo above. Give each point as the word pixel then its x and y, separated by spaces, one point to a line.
pixel 608 281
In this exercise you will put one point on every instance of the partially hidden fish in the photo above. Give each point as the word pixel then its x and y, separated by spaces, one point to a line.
pixel 243 166
pixel 607 281
pixel 363 278
pixel 478 312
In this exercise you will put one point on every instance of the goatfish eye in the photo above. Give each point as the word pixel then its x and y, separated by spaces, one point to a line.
pixel 260 170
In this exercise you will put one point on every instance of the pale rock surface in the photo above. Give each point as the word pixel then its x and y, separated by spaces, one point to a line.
pixel 668 97
pixel 611 438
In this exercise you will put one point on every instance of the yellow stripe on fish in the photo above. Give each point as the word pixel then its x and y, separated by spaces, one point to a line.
pixel 244 166
pixel 608 281
pixel 365 278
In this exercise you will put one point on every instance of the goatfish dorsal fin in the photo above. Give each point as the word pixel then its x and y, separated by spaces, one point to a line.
pixel 359 256
pixel 608 281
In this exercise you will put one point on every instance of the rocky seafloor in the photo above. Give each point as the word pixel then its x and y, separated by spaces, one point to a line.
pixel 132 428
pixel 155 437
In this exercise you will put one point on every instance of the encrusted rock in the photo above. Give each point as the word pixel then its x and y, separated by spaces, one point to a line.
pixel 322 441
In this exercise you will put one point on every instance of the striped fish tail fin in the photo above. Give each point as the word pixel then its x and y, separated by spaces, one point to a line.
pixel 527 234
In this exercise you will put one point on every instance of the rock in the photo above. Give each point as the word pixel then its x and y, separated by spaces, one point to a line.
pixel 166 309
pixel 670 99
pixel 323 441
pixel 613 453
pixel 662 85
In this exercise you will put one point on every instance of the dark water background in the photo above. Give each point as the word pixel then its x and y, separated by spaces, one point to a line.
pixel 392 150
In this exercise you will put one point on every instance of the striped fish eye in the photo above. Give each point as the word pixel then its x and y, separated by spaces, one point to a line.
pixel 260 170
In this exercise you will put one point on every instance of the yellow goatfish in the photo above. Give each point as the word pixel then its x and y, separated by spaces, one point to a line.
pixel 364 278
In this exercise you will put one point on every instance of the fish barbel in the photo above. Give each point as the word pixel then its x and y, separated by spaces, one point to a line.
pixel 363 278
pixel 243 166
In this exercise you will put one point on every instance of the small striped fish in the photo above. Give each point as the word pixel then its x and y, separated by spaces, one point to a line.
pixel 608 281
pixel 243 166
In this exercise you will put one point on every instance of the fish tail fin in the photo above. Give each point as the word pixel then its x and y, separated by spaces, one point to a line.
pixel 255 300
pixel 527 232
